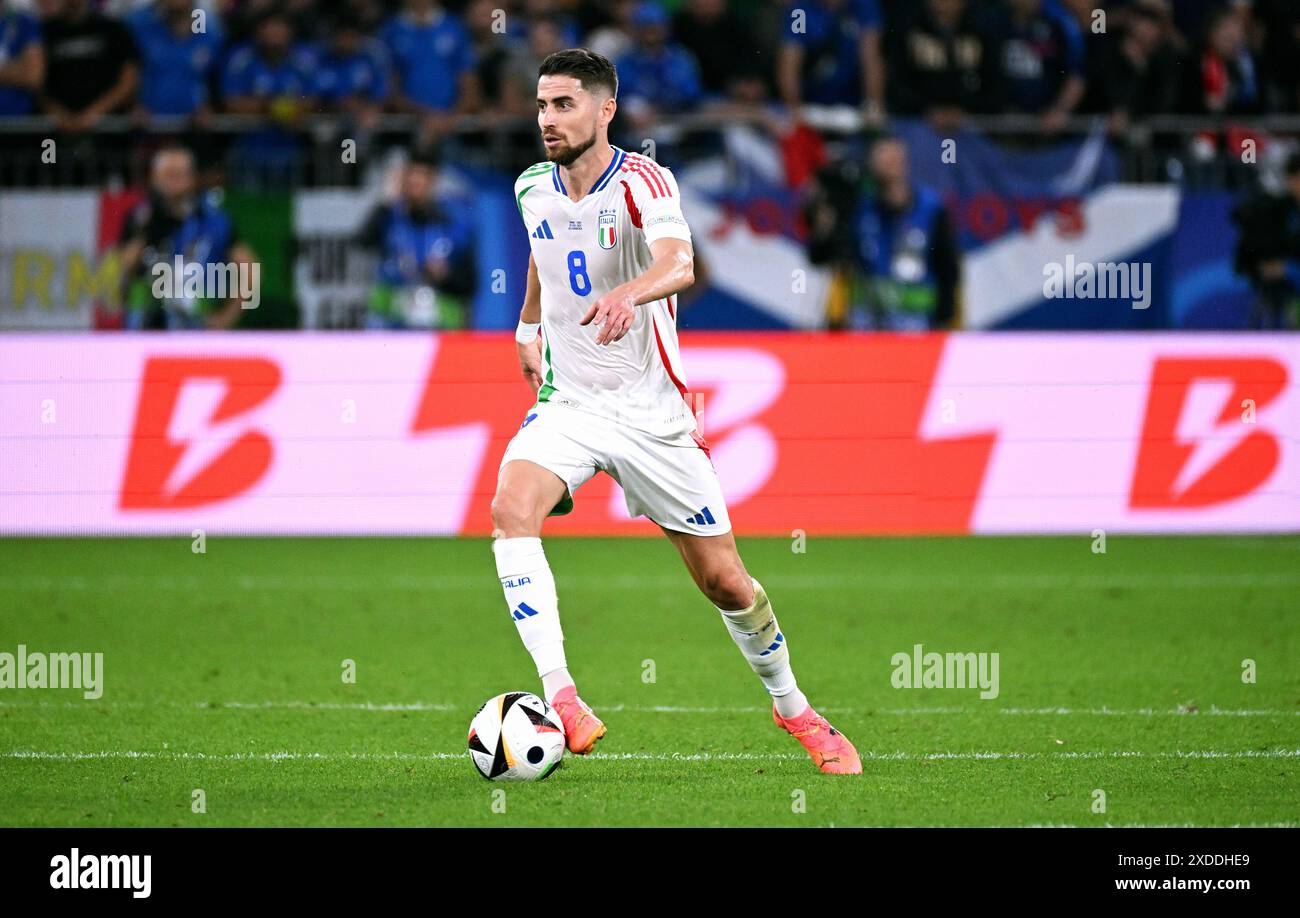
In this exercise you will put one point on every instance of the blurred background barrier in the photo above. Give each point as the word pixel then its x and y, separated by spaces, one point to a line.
pixel 1142 132
pixel 276 433
pixel 1013 211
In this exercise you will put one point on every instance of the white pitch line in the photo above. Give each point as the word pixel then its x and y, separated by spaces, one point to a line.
pixel 328 706
pixel 417 706
pixel 1161 825
pixel 1211 711
pixel 43 756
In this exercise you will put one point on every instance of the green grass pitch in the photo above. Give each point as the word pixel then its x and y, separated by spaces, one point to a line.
pixel 1119 672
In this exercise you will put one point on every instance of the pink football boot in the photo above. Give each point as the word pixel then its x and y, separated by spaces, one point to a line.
pixel 830 749
pixel 581 726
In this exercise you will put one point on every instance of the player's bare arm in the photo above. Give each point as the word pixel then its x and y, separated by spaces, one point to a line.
pixel 672 272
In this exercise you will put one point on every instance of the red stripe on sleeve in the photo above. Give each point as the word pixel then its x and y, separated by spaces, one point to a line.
pixel 633 170
pixel 631 204
pixel 650 170
pixel 653 168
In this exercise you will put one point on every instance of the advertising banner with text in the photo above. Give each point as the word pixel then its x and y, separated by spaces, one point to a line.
pixel 341 433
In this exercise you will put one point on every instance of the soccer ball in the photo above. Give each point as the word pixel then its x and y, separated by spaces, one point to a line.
pixel 516 737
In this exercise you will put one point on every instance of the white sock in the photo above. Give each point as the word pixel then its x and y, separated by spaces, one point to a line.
pixel 791 705
pixel 554 682
pixel 761 642
pixel 530 595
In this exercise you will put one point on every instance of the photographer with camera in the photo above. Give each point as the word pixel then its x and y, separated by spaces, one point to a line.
pixel 889 241
pixel 177 221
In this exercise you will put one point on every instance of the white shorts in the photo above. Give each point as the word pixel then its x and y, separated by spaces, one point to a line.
pixel 669 480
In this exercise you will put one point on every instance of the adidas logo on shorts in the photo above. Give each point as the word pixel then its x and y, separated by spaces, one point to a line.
pixel 702 518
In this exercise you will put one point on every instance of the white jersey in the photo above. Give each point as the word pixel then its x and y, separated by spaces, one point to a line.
pixel 583 249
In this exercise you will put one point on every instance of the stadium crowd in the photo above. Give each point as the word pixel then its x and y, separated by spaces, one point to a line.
pixel 302 71
pixel 79 60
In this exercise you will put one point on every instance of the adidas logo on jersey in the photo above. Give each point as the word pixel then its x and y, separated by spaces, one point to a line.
pixel 543 231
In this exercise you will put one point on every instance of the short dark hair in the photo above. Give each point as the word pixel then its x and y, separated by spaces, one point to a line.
pixel 591 68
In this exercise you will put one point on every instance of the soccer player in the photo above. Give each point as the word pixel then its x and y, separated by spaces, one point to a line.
pixel 610 252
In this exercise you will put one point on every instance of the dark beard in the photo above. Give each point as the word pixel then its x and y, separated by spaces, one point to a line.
pixel 570 156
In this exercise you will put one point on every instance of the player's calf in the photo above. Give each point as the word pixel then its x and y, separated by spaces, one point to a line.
pixel 759 637
pixel 729 589
pixel 755 630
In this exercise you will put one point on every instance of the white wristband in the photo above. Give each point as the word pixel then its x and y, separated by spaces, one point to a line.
pixel 526 332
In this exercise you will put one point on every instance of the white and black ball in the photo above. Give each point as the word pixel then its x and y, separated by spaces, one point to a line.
pixel 516 736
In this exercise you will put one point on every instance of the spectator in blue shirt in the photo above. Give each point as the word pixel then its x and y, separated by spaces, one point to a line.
pixel 830 55
pixel 274 78
pixel 177 219
pixel 657 75
pixel 433 64
pixel 427 274
pixel 22 62
pixel 890 242
pixel 1041 59
pixel 271 75
pixel 352 71
pixel 176 61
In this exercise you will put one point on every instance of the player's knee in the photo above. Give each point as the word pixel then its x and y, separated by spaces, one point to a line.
pixel 513 515
pixel 729 588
